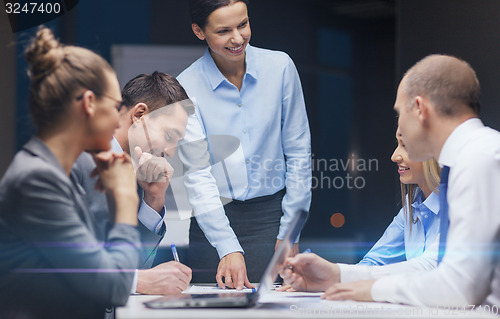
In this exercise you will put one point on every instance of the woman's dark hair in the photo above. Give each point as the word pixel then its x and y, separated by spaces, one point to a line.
pixel 155 90
pixel 199 10
pixel 57 72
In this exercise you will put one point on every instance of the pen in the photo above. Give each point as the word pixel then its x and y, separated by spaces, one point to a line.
pixel 288 266
pixel 174 252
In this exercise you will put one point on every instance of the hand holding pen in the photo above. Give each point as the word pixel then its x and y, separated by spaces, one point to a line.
pixel 285 287
pixel 309 272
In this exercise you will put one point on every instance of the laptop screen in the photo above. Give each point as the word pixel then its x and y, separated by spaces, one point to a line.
pixel 239 300
pixel 281 254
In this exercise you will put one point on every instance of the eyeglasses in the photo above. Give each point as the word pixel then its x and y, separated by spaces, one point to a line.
pixel 119 104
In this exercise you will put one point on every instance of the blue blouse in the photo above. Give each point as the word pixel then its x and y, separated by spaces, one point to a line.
pixel 398 243
pixel 267 123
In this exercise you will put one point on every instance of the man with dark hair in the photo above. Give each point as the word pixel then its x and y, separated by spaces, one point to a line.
pixel 438 104
pixel 153 121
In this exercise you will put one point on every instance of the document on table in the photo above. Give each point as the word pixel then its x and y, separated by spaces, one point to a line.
pixel 216 290
pixel 287 297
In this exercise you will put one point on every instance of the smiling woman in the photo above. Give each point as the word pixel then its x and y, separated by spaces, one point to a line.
pixel 255 96
pixel 415 229
pixel 227 33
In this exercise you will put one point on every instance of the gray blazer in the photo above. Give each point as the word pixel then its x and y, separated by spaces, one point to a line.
pixel 51 263
pixel 98 207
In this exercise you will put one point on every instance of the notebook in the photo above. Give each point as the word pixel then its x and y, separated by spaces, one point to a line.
pixel 242 300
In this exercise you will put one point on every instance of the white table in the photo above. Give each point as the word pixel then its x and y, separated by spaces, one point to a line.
pixel 295 306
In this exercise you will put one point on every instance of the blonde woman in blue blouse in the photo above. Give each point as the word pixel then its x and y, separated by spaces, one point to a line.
pixel 416 226
pixel 410 243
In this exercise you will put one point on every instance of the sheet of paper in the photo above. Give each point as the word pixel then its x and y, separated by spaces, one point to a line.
pixel 195 289
pixel 290 297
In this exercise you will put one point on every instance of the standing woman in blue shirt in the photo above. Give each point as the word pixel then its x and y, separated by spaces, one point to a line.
pixel 255 96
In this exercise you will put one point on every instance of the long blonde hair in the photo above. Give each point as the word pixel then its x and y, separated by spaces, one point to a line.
pixel 432 175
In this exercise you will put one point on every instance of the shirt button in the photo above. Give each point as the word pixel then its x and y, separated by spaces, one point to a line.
pixel 426 216
pixel 248 161
pixel 244 131
pixel 239 105
pixel 246 186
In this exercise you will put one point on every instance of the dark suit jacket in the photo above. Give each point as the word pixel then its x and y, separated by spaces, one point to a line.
pixel 51 264
pixel 98 207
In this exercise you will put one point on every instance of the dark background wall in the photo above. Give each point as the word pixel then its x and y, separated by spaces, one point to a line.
pixel 468 29
pixel 350 55
pixel 7 91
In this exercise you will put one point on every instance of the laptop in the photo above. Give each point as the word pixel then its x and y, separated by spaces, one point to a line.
pixel 240 300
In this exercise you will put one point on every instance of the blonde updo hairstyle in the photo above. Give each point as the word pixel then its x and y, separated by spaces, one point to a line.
pixel 57 73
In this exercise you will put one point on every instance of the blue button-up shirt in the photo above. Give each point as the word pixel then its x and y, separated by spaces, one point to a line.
pixel 258 136
pixel 398 243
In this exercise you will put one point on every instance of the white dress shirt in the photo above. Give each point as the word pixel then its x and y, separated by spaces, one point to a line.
pixel 469 272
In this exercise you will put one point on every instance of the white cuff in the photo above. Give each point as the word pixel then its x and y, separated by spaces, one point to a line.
pixel 133 290
pixel 150 218
pixel 350 273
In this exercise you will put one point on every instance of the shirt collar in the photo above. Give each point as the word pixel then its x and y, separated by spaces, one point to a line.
pixel 250 60
pixel 431 202
pixel 214 75
pixel 115 146
pixel 457 139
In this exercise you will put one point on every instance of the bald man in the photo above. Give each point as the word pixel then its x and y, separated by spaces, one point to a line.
pixel 438 106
